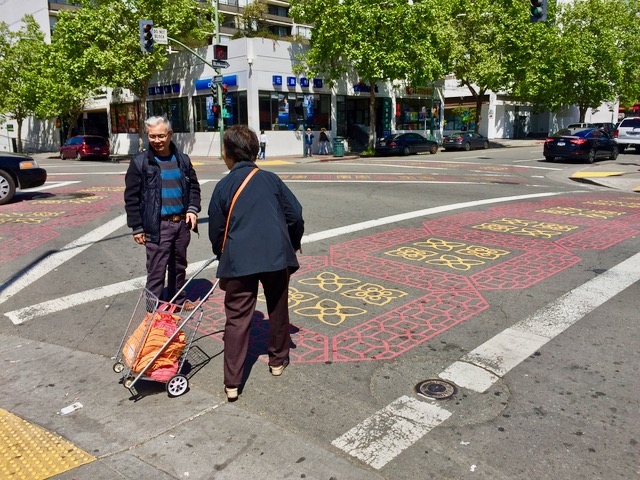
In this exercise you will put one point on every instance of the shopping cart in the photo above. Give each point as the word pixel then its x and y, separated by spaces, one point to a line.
pixel 158 338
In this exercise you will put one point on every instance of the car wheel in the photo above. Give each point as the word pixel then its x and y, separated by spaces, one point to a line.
pixel 78 156
pixel 406 151
pixel 614 153
pixel 485 145
pixel 7 187
pixel 549 159
pixel 591 156
pixel 434 149
pixel 467 146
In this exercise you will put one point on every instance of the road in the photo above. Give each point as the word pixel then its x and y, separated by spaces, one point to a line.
pixel 489 273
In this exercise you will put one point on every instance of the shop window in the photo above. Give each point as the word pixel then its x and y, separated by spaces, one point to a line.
pixel 175 109
pixel 124 117
pixel 292 111
pixel 207 111
pixel 416 114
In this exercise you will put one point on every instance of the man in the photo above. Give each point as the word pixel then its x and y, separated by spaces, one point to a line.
pixel 162 201
pixel 308 142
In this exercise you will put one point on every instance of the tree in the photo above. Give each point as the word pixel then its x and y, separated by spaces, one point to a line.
pixel 22 59
pixel 105 38
pixel 587 57
pixel 391 40
pixel 487 46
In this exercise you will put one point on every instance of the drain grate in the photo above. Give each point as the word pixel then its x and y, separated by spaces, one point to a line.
pixel 436 389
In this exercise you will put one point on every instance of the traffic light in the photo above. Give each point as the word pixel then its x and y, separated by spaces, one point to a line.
pixel 538 11
pixel 220 52
pixel 146 36
pixel 225 90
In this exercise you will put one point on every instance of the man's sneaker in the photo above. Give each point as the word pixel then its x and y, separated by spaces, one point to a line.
pixel 276 370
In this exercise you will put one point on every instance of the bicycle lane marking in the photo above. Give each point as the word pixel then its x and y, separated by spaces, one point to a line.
pixel 45 308
pixel 384 435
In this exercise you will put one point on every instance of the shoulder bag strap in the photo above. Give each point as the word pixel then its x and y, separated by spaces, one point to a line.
pixel 233 202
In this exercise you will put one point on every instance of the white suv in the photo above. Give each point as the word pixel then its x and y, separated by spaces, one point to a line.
pixel 628 133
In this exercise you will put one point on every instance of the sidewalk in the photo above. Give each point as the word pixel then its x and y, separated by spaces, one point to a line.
pixel 198 435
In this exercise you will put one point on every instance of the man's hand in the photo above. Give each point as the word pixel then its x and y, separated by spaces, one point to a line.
pixel 192 220
pixel 140 238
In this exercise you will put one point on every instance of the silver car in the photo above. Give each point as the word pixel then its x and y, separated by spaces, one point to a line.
pixel 628 134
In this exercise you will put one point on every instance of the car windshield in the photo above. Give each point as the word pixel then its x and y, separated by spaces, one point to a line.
pixel 391 137
pixel 456 134
pixel 95 141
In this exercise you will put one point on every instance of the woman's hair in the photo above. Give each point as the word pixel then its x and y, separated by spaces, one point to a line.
pixel 241 144
pixel 153 121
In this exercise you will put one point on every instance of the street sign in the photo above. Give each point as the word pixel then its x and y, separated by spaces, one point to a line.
pixel 217 79
pixel 219 64
pixel 160 36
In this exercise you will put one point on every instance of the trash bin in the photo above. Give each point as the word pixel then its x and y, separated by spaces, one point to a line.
pixel 338 147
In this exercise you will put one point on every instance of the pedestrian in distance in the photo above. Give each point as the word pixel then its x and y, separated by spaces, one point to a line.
pixel 162 201
pixel 308 143
pixel 264 141
pixel 255 228
pixel 324 141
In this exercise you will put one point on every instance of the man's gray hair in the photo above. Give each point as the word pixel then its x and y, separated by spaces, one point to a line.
pixel 153 121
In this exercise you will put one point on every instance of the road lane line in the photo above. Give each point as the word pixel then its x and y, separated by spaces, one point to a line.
pixel 52 306
pixel 38 270
pixel 388 432
pixel 383 436
pixel 507 349
pixel 62 303
pixel 41 268
pixel 314 237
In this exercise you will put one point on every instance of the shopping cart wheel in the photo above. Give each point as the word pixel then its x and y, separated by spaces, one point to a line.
pixel 177 385
pixel 128 382
pixel 118 367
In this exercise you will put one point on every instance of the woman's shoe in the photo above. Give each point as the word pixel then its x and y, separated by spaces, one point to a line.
pixel 232 393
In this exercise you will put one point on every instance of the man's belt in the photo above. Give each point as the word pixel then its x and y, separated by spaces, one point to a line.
pixel 173 218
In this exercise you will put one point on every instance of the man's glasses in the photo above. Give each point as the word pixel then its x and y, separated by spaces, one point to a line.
pixel 162 136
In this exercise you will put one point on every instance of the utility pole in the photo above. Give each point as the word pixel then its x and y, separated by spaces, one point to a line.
pixel 218 72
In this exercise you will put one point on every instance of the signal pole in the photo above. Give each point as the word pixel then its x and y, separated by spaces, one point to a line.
pixel 218 72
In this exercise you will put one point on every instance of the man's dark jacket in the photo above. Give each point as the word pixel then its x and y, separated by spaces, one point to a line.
pixel 265 228
pixel 143 191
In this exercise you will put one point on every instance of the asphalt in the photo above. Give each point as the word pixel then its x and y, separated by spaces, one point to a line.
pixel 190 436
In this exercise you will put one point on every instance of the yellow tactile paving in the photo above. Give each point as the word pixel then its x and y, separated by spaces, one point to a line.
pixel 596 174
pixel 32 453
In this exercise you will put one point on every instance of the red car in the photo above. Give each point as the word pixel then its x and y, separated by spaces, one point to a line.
pixel 85 146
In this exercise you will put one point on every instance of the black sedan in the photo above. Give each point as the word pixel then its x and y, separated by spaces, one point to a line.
pixel 405 144
pixel 464 141
pixel 587 144
pixel 18 171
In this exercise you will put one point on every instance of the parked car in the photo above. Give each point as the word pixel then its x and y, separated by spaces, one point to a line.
pixel 587 144
pixel 610 128
pixel 85 146
pixel 464 141
pixel 627 134
pixel 405 144
pixel 18 172
pixel 581 125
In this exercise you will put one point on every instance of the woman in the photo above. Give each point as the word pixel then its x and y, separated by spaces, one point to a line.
pixel 264 232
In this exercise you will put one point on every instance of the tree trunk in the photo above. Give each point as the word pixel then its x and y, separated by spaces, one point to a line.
pixel 372 114
pixel 19 120
pixel 583 113
pixel 142 95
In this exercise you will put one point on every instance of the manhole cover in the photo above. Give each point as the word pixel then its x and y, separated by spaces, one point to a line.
pixel 436 388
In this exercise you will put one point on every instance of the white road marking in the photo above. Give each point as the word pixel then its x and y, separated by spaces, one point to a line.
pixel 49 186
pixel 85 173
pixel 45 308
pixel 41 268
pixel 503 352
pixel 384 435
